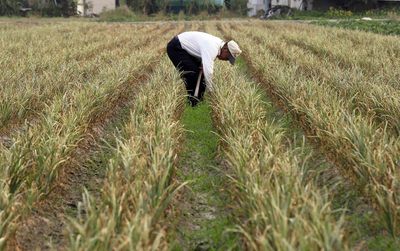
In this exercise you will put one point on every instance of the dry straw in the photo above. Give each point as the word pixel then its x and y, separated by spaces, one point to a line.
pixel 129 214
pixel 355 132
pixel 281 209
pixel 30 167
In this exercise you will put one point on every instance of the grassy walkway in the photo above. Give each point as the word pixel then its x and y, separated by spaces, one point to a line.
pixel 204 205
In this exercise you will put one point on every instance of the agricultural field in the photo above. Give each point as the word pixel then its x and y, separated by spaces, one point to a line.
pixel 296 148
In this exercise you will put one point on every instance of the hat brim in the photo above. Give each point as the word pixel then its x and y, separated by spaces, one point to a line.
pixel 231 59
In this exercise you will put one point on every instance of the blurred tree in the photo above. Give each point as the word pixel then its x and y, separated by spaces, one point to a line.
pixel 190 6
pixel 68 7
pixel 64 8
pixel 358 4
pixel 162 5
pixel 145 6
pixel 9 7
pixel 239 6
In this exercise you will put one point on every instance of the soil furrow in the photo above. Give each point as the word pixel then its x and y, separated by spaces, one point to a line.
pixel 47 222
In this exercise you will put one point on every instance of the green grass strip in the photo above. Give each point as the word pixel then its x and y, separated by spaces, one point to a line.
pixel 204 211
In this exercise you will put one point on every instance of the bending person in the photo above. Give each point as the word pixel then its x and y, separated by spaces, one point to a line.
pixel 193 53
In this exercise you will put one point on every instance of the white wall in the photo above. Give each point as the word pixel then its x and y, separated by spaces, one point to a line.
pixel 254 6
pixel 291 3
pixel 96 6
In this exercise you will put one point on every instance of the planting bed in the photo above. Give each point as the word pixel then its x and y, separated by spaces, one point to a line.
pixel 297 147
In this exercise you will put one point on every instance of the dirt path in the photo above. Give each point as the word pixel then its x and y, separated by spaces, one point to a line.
pixel 203 207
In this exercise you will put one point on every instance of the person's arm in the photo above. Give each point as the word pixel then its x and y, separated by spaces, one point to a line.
pixel 208 67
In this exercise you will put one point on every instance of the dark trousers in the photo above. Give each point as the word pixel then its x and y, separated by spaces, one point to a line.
pixel 189 67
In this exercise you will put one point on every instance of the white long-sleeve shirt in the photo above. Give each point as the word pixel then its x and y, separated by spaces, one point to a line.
pixel 205 47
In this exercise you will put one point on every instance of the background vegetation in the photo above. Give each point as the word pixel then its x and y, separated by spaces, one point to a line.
pixel 39 7
pixel 179 9
pixel 143 7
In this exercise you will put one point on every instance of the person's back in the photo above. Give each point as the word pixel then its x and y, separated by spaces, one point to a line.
pixel 193 41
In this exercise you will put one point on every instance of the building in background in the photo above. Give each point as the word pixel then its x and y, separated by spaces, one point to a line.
pixel 254 6
pixel 294 4
pixel 95 7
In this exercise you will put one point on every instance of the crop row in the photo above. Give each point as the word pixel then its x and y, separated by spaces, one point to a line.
pixel 129 214
pixel 281 208
pixel 375 54
pixel 30 168
pixel 368 155
pixel 281 204
pixel 28 91
pixel 368 94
